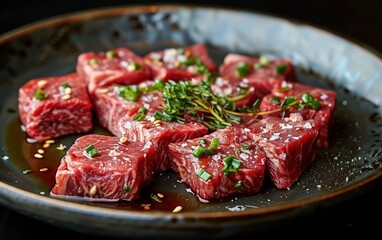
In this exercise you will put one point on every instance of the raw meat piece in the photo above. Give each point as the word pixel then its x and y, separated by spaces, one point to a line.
pixel 160 134
pixel 240 73
pixel 118 171
pixel 111 107
pixel 207 175
pixel 289 144
pixel 323 116
pixel 180 63
pixel 55 106
pixel 118 66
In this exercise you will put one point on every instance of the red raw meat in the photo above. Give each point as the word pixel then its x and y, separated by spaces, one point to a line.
pixel 160 134
pixel 119 66
pixel 289 144
pixel 167 64
pixel 323 116
pixel 248 178
pixel 110 107
pixel 119 171
pixel 64 107
pixel 259 80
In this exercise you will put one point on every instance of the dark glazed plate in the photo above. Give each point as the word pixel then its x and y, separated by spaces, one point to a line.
pixel 351 165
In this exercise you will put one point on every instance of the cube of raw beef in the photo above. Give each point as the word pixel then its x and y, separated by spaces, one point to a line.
pixel 236 167
pixel 111 104
pixel 289 144
pixel 118 66
pixel 118 170
pixel 55 106
pixel 251 76
pixel 180 63
pixel 322 115
pixel 160 134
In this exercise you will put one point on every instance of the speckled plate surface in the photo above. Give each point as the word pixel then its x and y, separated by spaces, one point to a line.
pixel 50 47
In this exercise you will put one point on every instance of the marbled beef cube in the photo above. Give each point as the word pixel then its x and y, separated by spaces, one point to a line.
pixel 110 104
pixel 236 167
pixel 289 144
pixel 180 63
pixel 55 106
pixel 118 66
pixel 104 167
pixel 322 114
pixel 254 76
pixel 160 134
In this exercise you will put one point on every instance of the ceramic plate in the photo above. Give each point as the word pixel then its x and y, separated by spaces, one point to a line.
pixel 323 59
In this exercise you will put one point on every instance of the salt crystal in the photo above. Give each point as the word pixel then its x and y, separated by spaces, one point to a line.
pixel 5 157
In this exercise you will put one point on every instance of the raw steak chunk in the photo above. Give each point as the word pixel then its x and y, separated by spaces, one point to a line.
pixel 160 134
pixel 115 102
pixel 289 144
pixel 235 167
pixel 254 77
pixel 55 106
pixel 119 66
pixel 322 115
pixel 180 63
pixel 118 171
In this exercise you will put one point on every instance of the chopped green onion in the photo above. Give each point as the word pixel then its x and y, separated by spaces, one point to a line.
pixel 91 151
pixel 231 165
pixel 141 114
pixel 126 188
pixel 198 152
pixel 111 54
pixel 130 93
pixel 159 85
pixel 280 69
pixel 245 147
pixel 242 69
pixel 287 101
pixel 214 144
pixel 284 89
pixel 40 94
pixel 133 66
pixel 203 174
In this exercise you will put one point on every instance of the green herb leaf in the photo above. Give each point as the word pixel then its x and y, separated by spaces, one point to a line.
pixel 93 62
pixel 281 69
pixel 263 62
pixel 40 94
pixel 239 184
pixel 65 85
pixel 309 100
pixel 246 147
pixel 242 69
pixel 126 188
pixel 130 93
pixel 274 99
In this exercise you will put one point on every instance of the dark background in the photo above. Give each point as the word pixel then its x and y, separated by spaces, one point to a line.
pixel 360 21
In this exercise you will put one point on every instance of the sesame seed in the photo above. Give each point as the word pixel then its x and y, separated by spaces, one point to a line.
pixel 93 190
pixel 157 122
pixel 37 155
pixel 46 145
pixel 68 91
pixel 43 169
pixel 160 195
pixel 50 141
pixel 66 97
pixel 177 209
pixel 102 90
pixel 42 83
pixel 152 119
pixel 146 206
pixel 123 140
pixel 41 151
